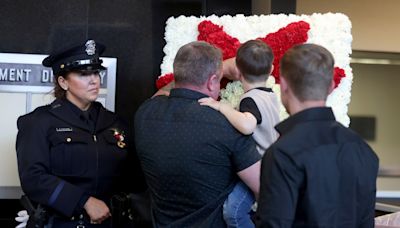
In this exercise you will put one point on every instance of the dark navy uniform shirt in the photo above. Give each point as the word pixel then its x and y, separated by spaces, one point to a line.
pixel 66 155
pixel 190 155
pixel 318 174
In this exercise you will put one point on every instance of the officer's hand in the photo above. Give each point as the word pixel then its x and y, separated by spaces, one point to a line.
pixel 23 218
pixel 97 210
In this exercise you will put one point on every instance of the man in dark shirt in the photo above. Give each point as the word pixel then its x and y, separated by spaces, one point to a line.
pixel 190 154
pixel 318 173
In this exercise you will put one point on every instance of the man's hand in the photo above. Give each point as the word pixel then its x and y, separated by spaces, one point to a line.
pixel 97 210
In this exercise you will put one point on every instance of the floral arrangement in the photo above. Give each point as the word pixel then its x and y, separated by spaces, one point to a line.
pixel 119 136
pixel 280 32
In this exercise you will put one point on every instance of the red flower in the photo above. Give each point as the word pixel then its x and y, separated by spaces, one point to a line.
pixel 117 137
pixel 338 75
pixel 215 35
pixel 164 80
pixel 285 38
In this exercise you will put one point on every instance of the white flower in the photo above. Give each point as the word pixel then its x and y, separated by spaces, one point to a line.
pixel 331 30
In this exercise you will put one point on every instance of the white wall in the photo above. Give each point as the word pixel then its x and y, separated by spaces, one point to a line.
pixel 15 104
pixel 260 6
pixel 375 23
pixel 375 92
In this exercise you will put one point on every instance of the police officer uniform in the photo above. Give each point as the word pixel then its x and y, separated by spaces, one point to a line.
pixel 65 155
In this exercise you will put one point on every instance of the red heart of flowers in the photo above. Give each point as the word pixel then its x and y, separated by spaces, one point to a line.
pixel 279 41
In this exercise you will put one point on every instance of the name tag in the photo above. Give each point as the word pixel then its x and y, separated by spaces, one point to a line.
pixel 63 129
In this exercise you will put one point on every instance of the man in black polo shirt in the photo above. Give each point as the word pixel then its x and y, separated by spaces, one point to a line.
pixel 190 154
pixel 318 173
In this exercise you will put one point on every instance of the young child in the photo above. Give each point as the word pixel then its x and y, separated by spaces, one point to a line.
pixel 258 114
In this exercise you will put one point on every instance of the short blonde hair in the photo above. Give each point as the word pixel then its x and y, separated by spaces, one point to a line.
pixel 308 69
pixel 195 62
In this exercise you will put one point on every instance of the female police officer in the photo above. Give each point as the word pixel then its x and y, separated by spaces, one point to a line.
pixel 72 153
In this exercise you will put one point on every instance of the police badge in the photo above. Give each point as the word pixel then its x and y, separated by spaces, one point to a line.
pixel 119 136
pixel 90 47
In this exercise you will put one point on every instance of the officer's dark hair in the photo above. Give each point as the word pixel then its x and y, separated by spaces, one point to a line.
pixel 195 62
pixel 58 91
pixel 308 70
pixel 254 60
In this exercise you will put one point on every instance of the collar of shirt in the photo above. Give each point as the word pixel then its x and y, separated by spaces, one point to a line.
pixel 186 93
pixel 264 89
pixel 90 114
pixel 311 114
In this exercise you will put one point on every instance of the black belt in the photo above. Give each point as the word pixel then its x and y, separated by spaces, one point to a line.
pixel 82 217
pixel 81 220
